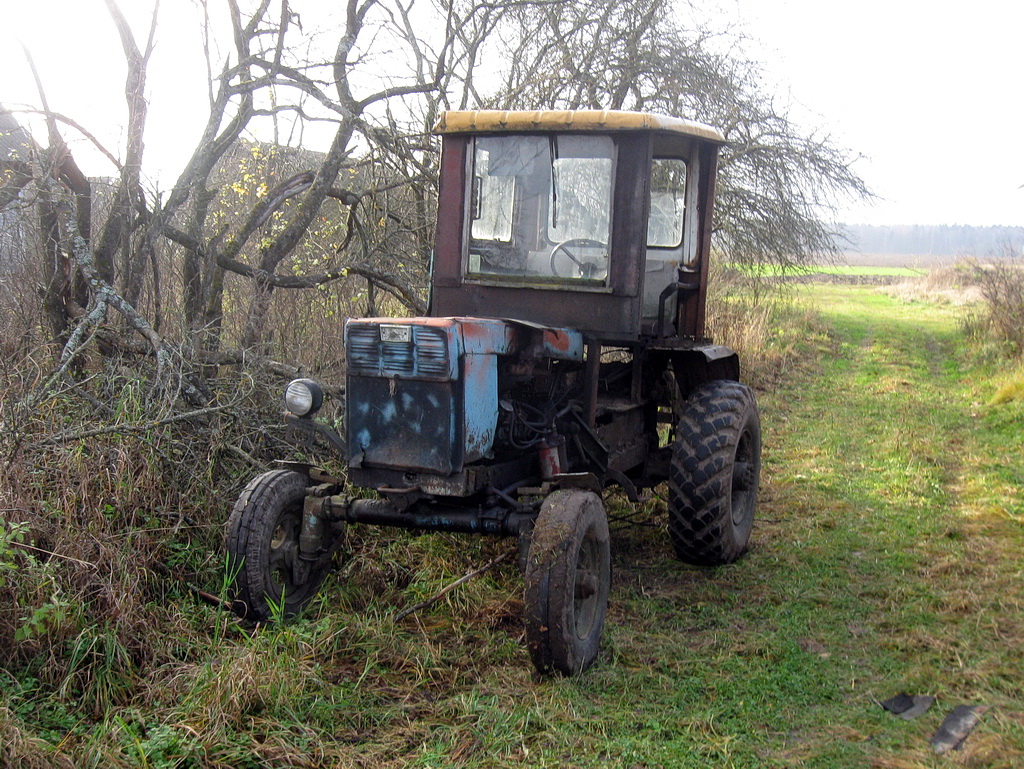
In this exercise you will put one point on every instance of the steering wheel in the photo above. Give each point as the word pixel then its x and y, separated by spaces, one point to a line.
pixel 586 269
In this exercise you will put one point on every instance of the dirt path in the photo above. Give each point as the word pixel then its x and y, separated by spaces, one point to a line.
pixel 896 496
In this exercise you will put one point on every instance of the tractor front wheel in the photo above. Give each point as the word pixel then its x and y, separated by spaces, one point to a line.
pixel 269 577
pixel 568 577
pixel 715 472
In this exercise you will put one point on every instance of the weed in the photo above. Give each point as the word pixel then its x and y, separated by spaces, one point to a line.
pixel 1014 391
pixel 947 284
pixel 43 618
pixel 1001 284
pixel 19 747
pixel 11 535
pixel 1011 390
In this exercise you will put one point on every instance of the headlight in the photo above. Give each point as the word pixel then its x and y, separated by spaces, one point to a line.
pixel 303 397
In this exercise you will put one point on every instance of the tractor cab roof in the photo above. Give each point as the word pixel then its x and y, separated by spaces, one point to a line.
pixel 519 121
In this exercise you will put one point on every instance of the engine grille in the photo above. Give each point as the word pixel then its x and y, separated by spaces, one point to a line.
pixel 426 355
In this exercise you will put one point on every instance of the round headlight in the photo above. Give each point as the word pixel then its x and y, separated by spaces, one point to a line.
pixel 303 397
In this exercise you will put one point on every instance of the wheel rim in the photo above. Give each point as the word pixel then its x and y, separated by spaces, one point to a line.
pixel 744 482
pixel 587 587
pixel 282 560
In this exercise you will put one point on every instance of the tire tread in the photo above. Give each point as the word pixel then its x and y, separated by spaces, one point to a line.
pixel 706 439
pixel 250 525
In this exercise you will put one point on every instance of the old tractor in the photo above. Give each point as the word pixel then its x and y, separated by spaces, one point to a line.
pixel 563 353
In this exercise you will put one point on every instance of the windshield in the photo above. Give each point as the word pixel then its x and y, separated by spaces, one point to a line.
pixel 541 206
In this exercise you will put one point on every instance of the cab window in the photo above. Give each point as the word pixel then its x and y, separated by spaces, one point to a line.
pixel 541 207
pixel 668 203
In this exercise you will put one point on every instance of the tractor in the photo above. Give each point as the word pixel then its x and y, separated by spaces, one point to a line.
pixel 563 355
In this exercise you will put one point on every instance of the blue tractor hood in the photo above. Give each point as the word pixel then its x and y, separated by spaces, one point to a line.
pixel 422 393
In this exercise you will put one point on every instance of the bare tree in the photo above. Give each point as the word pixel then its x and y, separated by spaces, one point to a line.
pixel 777 184
pixel 379 127
pixel 362 207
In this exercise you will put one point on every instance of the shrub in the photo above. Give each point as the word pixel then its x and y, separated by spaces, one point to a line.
pixel 1001 282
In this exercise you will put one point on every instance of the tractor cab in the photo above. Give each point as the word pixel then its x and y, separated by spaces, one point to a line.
pixel 598 221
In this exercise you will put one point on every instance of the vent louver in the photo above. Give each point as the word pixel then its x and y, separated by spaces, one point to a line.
pixel 427 355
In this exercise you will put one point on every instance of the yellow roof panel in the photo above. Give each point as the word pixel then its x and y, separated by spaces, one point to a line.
pixel 480 121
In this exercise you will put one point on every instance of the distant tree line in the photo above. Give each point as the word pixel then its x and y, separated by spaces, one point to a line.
pixel 933 240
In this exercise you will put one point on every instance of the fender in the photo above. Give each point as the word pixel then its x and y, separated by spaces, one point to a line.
pixel 704 363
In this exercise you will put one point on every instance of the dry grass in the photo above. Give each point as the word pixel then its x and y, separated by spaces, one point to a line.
pixel 20 749
pixel 1010 390
pixel 768 330
pixel 947 284
pixel 1001 284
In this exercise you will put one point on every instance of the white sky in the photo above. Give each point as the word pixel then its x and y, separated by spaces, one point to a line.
pixel 77 51
pixel 929 93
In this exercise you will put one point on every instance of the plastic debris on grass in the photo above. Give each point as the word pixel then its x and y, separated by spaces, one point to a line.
pixel 908 707
pixel 955 728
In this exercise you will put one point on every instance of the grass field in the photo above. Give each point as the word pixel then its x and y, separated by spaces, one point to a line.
pixel 887 558
pixel 858 270
pixel 894 270
pixel 913 261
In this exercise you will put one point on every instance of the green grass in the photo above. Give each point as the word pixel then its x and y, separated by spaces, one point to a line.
pixel 844 269
pixel 840 269
pixel 887 558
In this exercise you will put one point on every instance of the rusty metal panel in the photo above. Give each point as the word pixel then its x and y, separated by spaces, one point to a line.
pixel 629 222
pixel 592 314
pixel 481 342
pixel 427 350
pixel 560 344
pixel 538 341
pixel 481 336
pixel 480 406
pixel 423 392
pixel 405 424
pixel 451 215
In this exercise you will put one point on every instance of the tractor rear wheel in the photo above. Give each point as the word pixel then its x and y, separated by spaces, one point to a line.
pixel 568 577
pixel 714 475
pixel 269 578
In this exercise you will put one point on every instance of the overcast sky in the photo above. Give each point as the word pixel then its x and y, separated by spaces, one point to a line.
pixel 929 93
